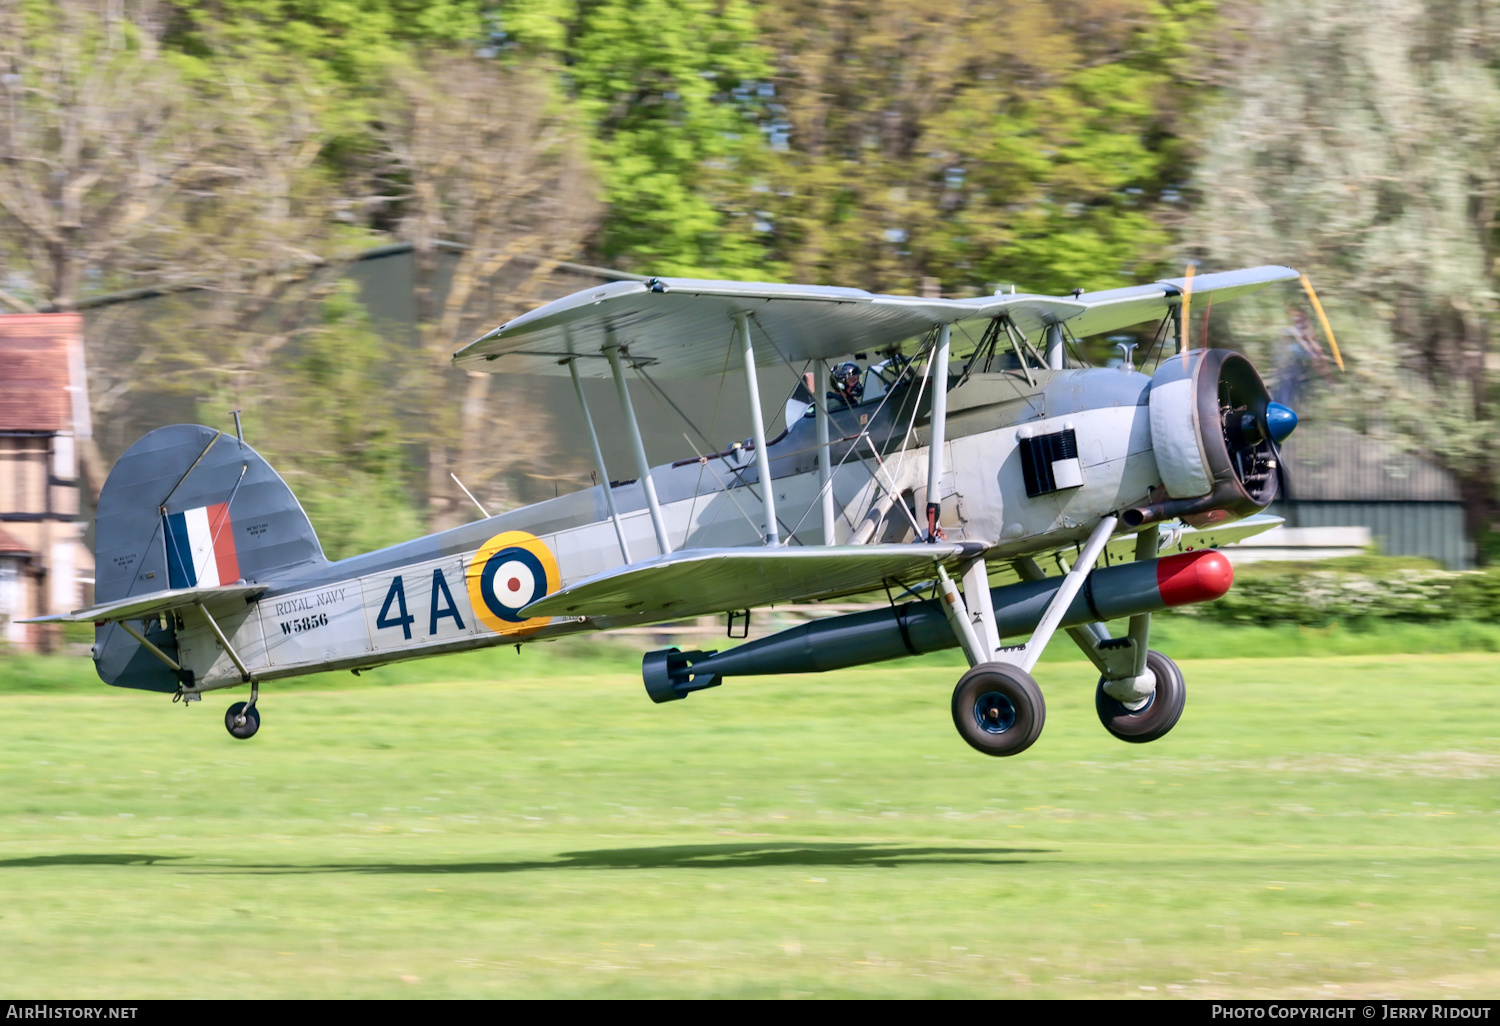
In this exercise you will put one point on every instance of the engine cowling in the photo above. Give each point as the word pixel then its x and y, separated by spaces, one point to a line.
pixel 1212 438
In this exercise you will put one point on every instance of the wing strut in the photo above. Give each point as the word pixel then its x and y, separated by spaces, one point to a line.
pixel 757 422
pixel 234 656
pixel 825 454
pixel 642 466
pixel 937 372
pixel 609 493
pixel 1071 583
pixel 1057 353
pixel 176 667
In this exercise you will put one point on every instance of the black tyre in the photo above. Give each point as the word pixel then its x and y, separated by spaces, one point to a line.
pixel 998 709
pixel 1160 713
pixel 242 721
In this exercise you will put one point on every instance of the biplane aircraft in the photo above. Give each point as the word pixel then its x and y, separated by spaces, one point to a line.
pixel 949 484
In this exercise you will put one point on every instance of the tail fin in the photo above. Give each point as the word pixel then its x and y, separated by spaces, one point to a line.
pixel 188 506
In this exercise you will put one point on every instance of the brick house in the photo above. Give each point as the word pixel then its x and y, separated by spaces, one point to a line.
pixel 45 567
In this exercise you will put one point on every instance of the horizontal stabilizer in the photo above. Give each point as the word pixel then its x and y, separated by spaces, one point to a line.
pixel 696 582
pixel 140 607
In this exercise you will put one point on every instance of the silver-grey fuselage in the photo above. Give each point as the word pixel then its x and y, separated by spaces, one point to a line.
pixel 419 597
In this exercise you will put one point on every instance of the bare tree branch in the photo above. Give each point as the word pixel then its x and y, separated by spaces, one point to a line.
pixel 493 165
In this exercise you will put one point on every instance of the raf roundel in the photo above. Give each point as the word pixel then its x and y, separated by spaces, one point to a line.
pixel 511 571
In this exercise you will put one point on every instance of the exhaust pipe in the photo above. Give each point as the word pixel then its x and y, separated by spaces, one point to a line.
pixel 837 642
pixel 1172 509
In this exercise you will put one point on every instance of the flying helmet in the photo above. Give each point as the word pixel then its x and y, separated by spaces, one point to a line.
pixel 847 381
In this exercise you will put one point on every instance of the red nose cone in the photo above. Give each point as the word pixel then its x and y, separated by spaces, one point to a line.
pixel 1193 577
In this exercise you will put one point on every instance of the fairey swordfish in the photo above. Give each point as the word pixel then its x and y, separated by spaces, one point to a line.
pixel 944 482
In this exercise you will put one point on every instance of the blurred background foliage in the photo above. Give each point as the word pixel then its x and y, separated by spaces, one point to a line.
pixel 1361 592
pixel 246 149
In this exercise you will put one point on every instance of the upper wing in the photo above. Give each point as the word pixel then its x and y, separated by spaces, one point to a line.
pixel 1114 309
pixel 695 582
pixel 141 607
pixel 681 327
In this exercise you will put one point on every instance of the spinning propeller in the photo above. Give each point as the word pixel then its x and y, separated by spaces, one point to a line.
pixel 1254 426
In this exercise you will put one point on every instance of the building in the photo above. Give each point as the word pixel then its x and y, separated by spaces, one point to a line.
pixel 1301 544
pixel 45 567
pixel 1405 504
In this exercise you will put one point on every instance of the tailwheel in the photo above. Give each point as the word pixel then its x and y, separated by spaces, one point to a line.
pixel 242 720
pixel 998 709
pixel 1156 714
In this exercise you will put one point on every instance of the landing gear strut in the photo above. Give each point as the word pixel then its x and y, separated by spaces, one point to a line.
pixel 997 706
pixel 1152 716
pixel 243 719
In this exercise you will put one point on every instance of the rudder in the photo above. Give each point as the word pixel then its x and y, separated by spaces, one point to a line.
pixel 188 506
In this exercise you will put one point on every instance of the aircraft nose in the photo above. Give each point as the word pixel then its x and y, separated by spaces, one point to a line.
pixel 1280 421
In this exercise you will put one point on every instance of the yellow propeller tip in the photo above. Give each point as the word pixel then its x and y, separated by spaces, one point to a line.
pixel 1323 320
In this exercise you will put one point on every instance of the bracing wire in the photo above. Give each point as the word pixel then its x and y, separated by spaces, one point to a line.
pixel 1071 340
pixel 890 484
pixel 911 425
pixel 737 471
pixel 713 424
pixel 703 461
pixel 986 339
pixel 1157 341
pixel 855 443
pixel 864 433
pixel 662 392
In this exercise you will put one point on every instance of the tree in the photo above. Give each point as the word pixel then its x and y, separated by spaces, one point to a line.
pixel 977 143
pixel 1357 142
pixel 326 420
pixel 120 171
pixel 349 43
pixel 671 90
pixel 481 156
pixel 97 138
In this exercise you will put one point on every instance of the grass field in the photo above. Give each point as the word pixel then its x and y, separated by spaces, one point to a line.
pixel 1313 827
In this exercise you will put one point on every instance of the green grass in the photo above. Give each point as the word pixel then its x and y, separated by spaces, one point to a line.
pixel 1312 827
pixel 1183 637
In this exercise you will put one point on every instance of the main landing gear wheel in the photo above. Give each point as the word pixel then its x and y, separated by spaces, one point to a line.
pixel 998 709
pixel 242 720
pixel 1161 712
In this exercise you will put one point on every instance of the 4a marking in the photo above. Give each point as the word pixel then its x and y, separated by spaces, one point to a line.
pixel 396 596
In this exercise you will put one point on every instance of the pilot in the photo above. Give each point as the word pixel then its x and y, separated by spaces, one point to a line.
pixel 847 382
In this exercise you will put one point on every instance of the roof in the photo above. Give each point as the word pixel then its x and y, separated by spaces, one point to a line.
pixel 683 327
pixel 10 545
pixel 36 359
pixel 1326 463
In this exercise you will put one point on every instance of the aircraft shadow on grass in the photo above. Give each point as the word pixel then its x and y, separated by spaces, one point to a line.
pixel 106 859
pixel 677 856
